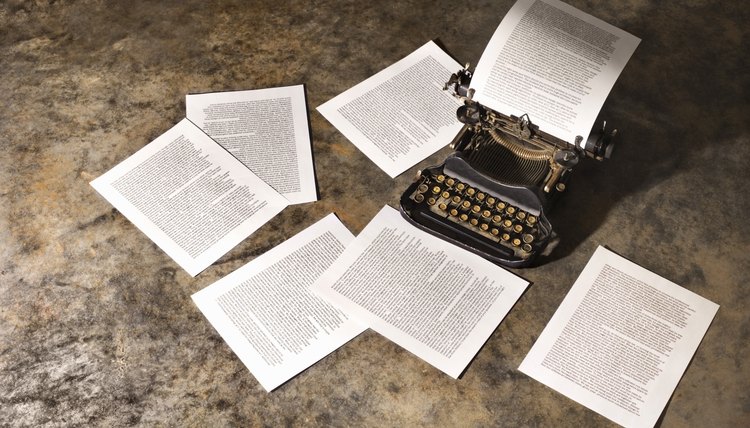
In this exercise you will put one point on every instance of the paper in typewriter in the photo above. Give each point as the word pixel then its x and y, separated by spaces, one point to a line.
pixel 190 196
pixel 401 115
pixel 268 315
pixel 620 341
pixel 553 62
pixel 266 129
pixel 436 300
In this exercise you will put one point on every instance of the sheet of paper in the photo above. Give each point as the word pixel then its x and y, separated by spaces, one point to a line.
pixel 553 62
pixel 436 300
pixel 266 129
pixel 401 115
pixel 190 196
pixel 267 314
pixel 620 341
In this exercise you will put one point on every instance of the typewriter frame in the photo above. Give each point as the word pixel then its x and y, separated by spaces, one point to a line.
pixel 532 192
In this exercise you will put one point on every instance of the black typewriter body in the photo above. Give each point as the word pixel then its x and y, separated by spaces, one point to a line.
pixel 492 194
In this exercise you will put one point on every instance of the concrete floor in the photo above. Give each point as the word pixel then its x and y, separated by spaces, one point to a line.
pixel 96 323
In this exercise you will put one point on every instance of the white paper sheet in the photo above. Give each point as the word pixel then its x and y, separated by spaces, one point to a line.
pixel 267 314
pixel 190 196
pixel 553 62
pixel 266 129
pixel 401 115
pixel 436 300
pixel 620 341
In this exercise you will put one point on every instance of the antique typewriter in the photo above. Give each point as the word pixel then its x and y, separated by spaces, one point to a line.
pixel 492 194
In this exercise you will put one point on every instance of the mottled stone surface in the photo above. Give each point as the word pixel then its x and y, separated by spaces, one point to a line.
pixel 96 323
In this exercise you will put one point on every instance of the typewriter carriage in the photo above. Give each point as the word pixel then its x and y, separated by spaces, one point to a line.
pixel 503 158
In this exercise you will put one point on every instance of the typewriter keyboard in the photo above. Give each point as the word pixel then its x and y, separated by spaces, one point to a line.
pixel 482 213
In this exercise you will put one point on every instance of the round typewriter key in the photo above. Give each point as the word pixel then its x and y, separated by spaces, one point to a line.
pixel 501 205
pixel 419 197
pixel 517 228
pixel 476 208
pixel 486 213
pixel 422 188
pixel 510 210
pixel 466 204
pixel 490 201
pixel 436 189
pixel 470 191
pixel 496 219
pixel 480 196
pixel 431 201
pixel 507 223
pixel 474 222
pixel 521 215
pixel 454 212
pixel 484 227
pixel 450 182
pixel 495 231
pixel 460 186
pixel 443 207
pixel 440 178
pixel 456 199
pixel 528 238
pixel 516 242
pixel 446 195
pixel 531 219
pixel 464 217
pixel 505 236
pixel 527 248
